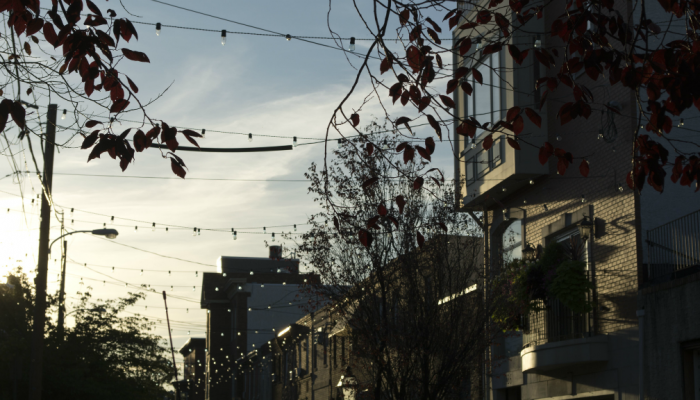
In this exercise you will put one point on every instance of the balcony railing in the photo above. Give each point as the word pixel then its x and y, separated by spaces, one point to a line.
pixel 673 249
pixel 556 323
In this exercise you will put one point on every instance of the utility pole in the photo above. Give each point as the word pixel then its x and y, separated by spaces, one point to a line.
pixel 172 350
pixel 37 345
pixel 62 291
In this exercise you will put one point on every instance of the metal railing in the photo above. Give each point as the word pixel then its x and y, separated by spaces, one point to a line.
pixel 556 323
pixel 673 249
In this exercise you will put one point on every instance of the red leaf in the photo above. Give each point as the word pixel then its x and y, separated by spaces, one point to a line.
pixel 424 103
pixel 443 226
pixel 393 220
pixel 503 23
pixel 421 239
pixel 119 106
pixel 488 142
pixel 50 34
pixel 140 141
pixel 132 85
pixel 452 84
pixel 336 223
pixel 18 113
pixel 512 113
pixel 447 101
pixel 467 88
pixel 177 168
pixel 430 145
pixel 408 154
pixel 153 133
pixel 545 152
pixel 93 8
pixel 372 222
pixel 423 152
pixel 436 126
pixel 464 46
pixel 355 119
pixel 418 183
pixel 415 58
pixel 92 123
pixel 135 55
pixel 518 124
pixel 382 210
pixel 401 202
pixel 385 65
pixel 477 76
pixel 369 182
pixel 365 237
pixel 188 135
pixel 89 140
pixel 514 143
pixel 370 149
pixel 534 117
pixel 562 165
pixel 403 16
pixel 584 168
pixel 34 26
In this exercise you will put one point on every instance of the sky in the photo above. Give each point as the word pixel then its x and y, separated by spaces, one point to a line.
pixel 253 84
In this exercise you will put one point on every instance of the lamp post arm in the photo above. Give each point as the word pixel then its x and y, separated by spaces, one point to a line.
pixel 64 235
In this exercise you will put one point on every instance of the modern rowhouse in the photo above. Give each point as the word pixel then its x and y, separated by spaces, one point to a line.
pixel 587 242
pixel 246 300
pixel 194 369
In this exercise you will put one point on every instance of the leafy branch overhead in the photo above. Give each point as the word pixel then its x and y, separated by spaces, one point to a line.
pixel 91 50
pixel 592 46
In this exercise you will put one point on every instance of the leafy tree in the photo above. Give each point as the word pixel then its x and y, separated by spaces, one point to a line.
pixel 407 283
pixel 104 355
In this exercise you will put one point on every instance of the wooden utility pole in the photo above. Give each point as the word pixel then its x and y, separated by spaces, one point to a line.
pixel 37 344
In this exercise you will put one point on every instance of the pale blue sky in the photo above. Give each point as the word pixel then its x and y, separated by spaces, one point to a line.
pixel 263 85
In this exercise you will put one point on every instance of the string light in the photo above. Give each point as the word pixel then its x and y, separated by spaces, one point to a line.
pixel 71 211
pixel 250 137
pixel 473 145
pixel 111 220
pixel 63 116
pixel 196 274
pixel 295 227
pixel 294 141
pixel 583 198
pixel 273 236
pixel 169 274
pixel 352 44
pixel 194 232
pixel 235 235
pixel 199 231
pixel 158 29
pixel 538 43
pixel 545 207
pixel 193 288
pixel 532 182
pixel 166 229
pixel 619 187
pixel 223 37
pixel 136 229
pixel 264 229
pixel 153 228
pixel 288 37
pixel 681 123
pixel 141 272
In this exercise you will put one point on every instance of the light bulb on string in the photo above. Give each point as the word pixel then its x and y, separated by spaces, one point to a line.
pixel 196 274
pixel 171 288
pixel 288 37
pixel 166 229
pixel 473 145
pixel 104 283
pixel 250 137
pixel 199 231
pixel 63 116
pixel 223 37
pixel 295 227
pixel 158 29
pixel 169 274
pixel 112 269
pixel 141 272
pixel 235 235
pixel 194 232
pixel 264 230
pixel 583 198
pixel 153 227
pixel 111 220
pixel 193 288
pixel 294 141
pixel 203 132
pixel 273 236
pixel 136 228
pixel 104 225
pixel 352 44
pixel 71 211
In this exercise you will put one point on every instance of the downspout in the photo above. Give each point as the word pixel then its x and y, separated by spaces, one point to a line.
pixel 640 315
pixel 487 264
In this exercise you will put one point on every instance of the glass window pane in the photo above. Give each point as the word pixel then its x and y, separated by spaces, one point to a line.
pixel 482 163
pixel 497 152
pixel 470 170
pixel 512 242
pixel 483 101
pixel 496 91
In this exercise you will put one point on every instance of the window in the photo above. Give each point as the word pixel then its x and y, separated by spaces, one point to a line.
pixel 485 102
pixel 691 370
pixel 513 242
pixel 484 161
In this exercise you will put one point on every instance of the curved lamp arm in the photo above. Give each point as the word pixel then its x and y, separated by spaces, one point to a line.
pixel 108 233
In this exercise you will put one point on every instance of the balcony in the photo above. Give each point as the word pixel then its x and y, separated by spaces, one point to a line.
pixel 558 337
pixel 673 250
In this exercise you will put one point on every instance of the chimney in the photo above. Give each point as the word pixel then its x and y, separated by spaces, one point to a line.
pixel 276 252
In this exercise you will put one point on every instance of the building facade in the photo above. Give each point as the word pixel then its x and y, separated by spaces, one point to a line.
pixel 246 300
pixel 192 385
pixel 562 354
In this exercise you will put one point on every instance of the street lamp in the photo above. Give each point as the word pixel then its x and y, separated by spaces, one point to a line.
pixel 109 234
pixel 586 228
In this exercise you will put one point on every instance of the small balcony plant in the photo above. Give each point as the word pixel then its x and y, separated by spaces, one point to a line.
pixel 524 287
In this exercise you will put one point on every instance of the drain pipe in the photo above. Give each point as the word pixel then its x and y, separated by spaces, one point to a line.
pixel 640 315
